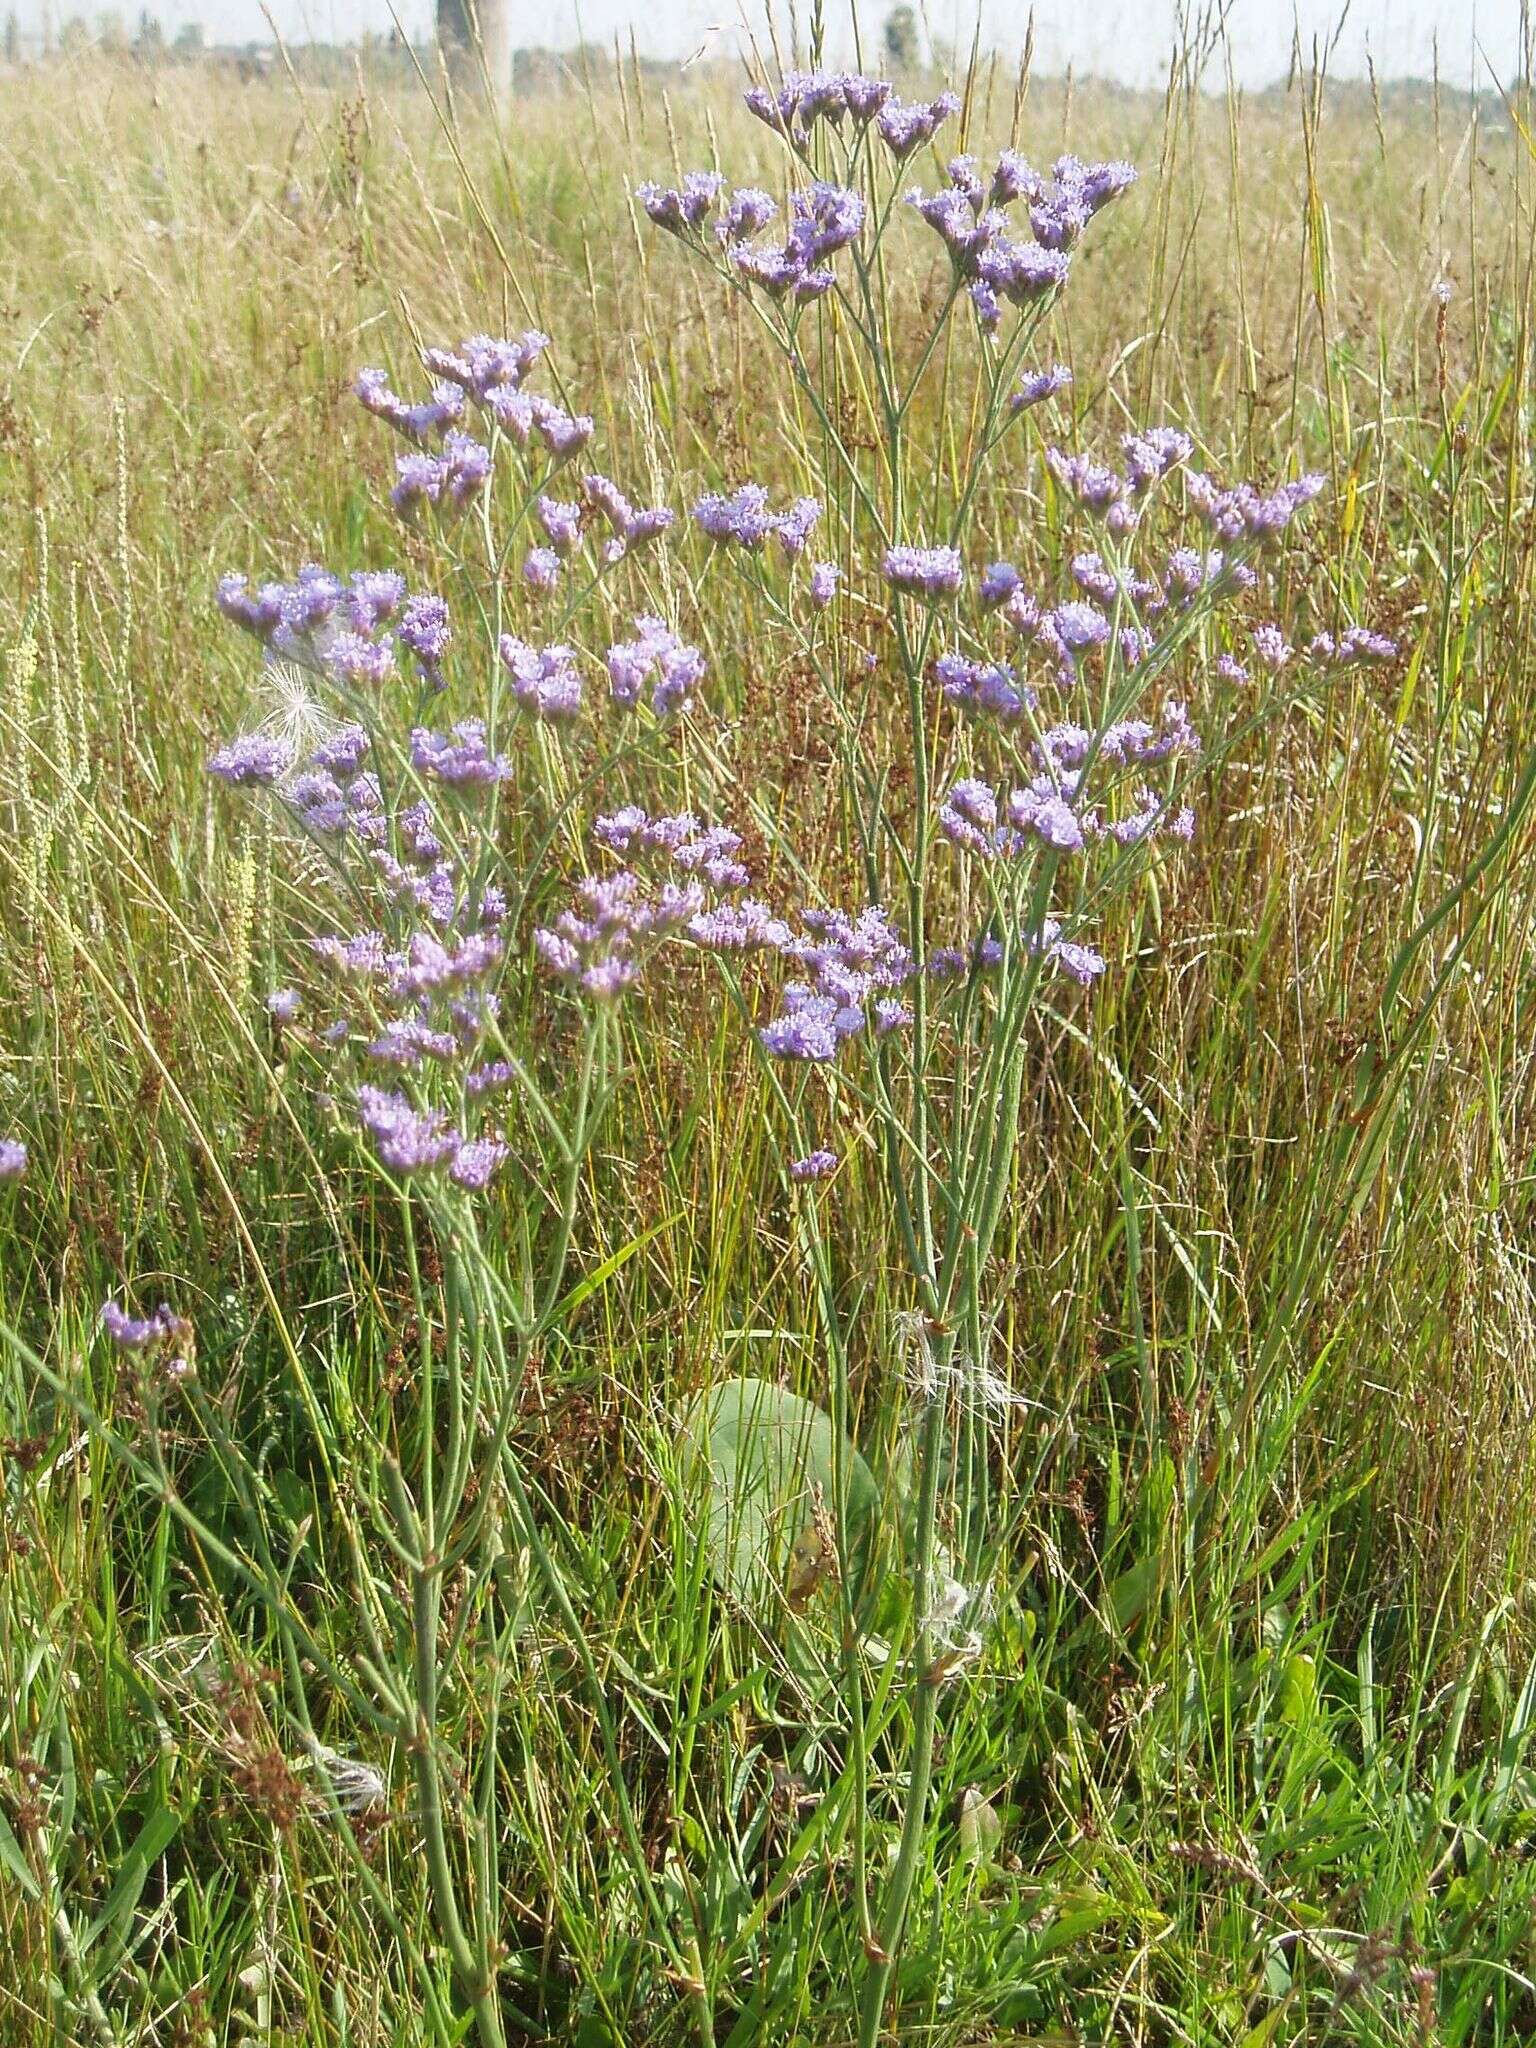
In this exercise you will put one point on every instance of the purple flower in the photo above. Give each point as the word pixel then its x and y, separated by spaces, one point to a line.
pixel 13 1159
pixel 655 651
pixel 1151 454
pixel 904 129
pixel 997 585
pixel 476 1160
pixel 1243 513
pixel 681 212
pixel 631 529
pixel 452 477
pixel 483 363
pixel 932 573
pixel 562 433
pixel 747 213
pixel 968 816
pixel 745 927
pixel 260 614
pixel 490 1079
pixel 1042 385
pixel 825 219
pixel 825 577
pixel 978 686
pixel 1095 487
pixel 253 760
pixel 137 1333
pixel 283 1005
pixel 406 1041
pixel 424 631
pixel 544 682
pixel 814 1166
pixel 812 1030
pixel 1359 643
pixel 541 569
pixel 1271 649
pixel 793 528
pixel 352 659
pixel 419 423
pixel 561 523
pixel 461 758
pixel 408 1140
pixel 1077 627
pixel 742 519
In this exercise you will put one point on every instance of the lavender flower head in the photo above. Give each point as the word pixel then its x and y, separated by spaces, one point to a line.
pixel 545 681
pixel 683 211
pixel 1043 384
pixel 253 760
pixel 814 1166
pixel 13 1159
pixel 138 1333
pixel 931 573
pixel 460 759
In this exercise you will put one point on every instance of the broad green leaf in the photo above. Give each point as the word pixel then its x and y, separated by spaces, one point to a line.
pixel 777 1473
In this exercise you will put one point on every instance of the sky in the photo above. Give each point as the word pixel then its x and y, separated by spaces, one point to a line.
pixel 1479 40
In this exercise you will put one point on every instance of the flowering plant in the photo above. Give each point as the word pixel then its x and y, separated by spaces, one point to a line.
pixel 503 813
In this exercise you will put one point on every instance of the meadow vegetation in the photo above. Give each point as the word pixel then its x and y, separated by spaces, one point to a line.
pixel 1236 1751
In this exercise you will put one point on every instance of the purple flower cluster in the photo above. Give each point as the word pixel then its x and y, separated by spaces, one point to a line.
pixel 252 760
pixel 484 364
pixel 823 220
pixel 141 1333
pixel 1354 644
pixel 1052 809
pixel 825 577
pixel 461 758
pixel 545 681
pixel 411 1139
pixel 807 97
pixel 970 217
pixel 1039 386
pixel 931 573
pixel 656 651
pixel 984 688
pixel 597 945
pixel 630 528
pixel 324 624
pixel 814 1166
pixel 682 211
pixel 709 851
pixel 425 632
pixel 489 373
pixel 452 478
pixel 13 1159
pixel 1245 514
pixel 742 519
pixel 855 968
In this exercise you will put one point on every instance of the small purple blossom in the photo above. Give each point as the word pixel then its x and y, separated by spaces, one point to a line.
pixel 931 573
pixel 683 211
pixel 13 1159
pixel 814 1166
pixel 254 760
pixel 460 758
pixel 1043 384
pixel 545 681
pixel 825 577
pixel 475 1160
pixel 138 1333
